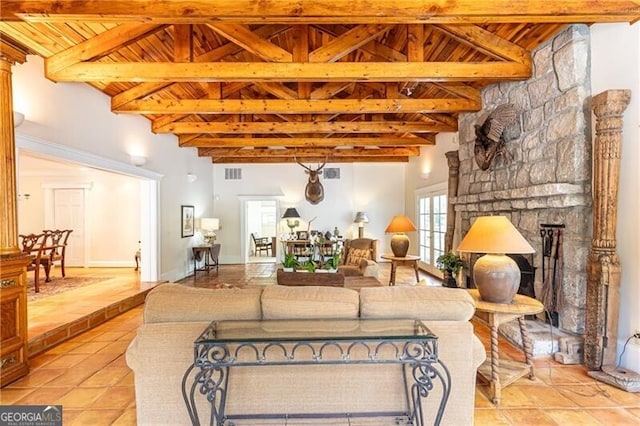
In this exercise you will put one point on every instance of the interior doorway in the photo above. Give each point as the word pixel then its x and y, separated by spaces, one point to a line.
pixel 259 213
pixel 261 223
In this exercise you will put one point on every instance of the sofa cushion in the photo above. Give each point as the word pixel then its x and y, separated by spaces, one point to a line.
pixel 419 302
pixel 356 256
pixel 179 303
pixel 284 302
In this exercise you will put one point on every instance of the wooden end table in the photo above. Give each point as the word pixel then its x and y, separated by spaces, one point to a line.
pixel 408 260
pixel 501 374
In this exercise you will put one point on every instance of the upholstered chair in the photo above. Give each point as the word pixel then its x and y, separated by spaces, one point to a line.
pixel 359 258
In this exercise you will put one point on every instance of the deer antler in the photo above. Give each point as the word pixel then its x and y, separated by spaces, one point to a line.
pixel 323 164
pixel 296 160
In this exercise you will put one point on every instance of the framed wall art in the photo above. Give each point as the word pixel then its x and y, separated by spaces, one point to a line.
pixel 187 221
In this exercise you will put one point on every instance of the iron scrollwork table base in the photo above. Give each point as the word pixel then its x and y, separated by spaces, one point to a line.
pixel 409 343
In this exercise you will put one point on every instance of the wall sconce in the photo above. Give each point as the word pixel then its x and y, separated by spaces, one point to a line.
pixel 361 219
pixel 209 225
pixel 191 177
pixel 138 160
pixel 18 118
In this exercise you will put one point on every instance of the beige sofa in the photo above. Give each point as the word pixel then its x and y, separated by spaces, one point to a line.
pixel 175 315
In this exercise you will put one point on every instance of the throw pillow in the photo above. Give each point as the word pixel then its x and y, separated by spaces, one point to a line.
pixel 356 256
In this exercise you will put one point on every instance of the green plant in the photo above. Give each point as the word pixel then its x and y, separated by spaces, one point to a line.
pixel 333 261
pixel 289 261
pixel 450 262
pixel 310 266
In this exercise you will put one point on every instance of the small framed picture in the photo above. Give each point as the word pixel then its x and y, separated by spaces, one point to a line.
pixel 188 224
pixel 303 235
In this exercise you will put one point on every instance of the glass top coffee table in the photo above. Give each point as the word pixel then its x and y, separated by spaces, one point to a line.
pixel 230 344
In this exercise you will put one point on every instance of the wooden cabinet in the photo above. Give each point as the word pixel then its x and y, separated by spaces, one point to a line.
pixel 14 359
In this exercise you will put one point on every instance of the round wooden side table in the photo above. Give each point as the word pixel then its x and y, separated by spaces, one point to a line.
pixel 501 374
pixel 408 260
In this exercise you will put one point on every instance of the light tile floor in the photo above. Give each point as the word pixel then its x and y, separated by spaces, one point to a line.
pixel 89 377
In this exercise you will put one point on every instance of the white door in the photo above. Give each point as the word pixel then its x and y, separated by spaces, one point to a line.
pixel 68 213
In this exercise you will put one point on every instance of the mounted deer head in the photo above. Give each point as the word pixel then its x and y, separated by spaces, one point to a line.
pixel 313 192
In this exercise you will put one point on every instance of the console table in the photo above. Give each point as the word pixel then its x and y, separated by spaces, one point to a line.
pixel 500 374
pixel 232 344
pixel 207 253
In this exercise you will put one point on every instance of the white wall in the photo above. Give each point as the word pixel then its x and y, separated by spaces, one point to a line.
pixel 79 116
pixel 113 200
pixel 428 170
pixel 377 189
pixel 615 64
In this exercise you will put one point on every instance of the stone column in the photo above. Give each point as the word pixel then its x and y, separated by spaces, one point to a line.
pixel 454 167
pixel 8 195
pixel 603 265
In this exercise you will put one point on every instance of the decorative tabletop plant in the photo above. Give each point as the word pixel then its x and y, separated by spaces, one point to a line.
pixel 450 264
pixel 290 262
pixel 333 262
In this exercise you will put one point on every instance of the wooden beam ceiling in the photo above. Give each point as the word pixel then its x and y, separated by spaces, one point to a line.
pixel 334 11
pixel 267 81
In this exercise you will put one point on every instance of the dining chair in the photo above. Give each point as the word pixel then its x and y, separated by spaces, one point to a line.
pixel 58 246
pixel 35 245
pixel 262 244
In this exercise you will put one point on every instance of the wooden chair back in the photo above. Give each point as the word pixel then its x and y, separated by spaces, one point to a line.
pixel 58 243
pixel 36 246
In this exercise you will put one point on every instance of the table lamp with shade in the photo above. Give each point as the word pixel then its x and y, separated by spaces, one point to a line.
pixel 291 214
pixel 496 275
pixel 400 241
pixel 361 219
pixel 209 225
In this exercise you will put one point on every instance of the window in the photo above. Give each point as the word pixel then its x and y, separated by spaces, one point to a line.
pixel 432 214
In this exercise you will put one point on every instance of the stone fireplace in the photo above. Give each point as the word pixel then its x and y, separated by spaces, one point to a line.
pixel 547 180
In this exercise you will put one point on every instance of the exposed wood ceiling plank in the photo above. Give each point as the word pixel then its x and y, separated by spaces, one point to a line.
pixel 252 42
pixel 208 142
pixel 398 11
pixel 488 43
pixel 138 91
pixel 289 159
pixel 282 72
pixel 182 43
pixel 281 106
pixel 310 152
pixel 304 127
pixel 100 45
pixel 348 42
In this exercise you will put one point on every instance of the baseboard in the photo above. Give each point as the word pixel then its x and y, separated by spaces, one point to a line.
pixel 111 264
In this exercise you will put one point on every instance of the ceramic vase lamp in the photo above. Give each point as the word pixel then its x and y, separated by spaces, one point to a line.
pixel 496 275
pixel 361 219
pixel 400 241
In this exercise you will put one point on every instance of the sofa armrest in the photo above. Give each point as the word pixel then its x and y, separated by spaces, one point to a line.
pixel 369 268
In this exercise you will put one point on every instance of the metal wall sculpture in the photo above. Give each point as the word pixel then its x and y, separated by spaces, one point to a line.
pixel 313 192
pixel 489 136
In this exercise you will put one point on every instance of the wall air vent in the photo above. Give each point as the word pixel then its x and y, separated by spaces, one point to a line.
pixel 331 173
pixel 234 173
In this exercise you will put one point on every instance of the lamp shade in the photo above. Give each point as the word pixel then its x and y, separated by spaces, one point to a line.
pixel 210 223
pixel 400 223
pixel 496 275
pixel 290 213
pixel 496 235
pixel 361 217
pixel 400 242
